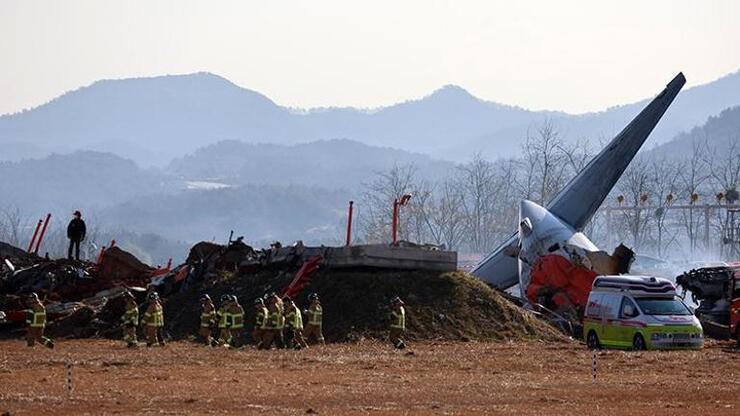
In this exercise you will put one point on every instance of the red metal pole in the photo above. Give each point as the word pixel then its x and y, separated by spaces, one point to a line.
pixel 169 263
pixel 100 256
pixel 394 226
pixel 41 236
pixel 35 233
pixel 349 224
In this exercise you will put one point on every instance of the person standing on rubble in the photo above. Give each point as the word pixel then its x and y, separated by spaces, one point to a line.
pixel 36 322
pixel 154 321
pixel 260 320
pixel 315 317
pixel 207 318
pixel 76 231
pixel 224 321
pixel 294 324
pixel 236 314
pixel 129 320
pixel 398 323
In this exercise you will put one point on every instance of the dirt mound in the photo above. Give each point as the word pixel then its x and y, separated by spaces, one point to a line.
pixel 120 265
pixel 449 306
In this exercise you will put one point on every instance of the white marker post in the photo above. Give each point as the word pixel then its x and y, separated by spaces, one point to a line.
pixel 68 385
pixel 593 367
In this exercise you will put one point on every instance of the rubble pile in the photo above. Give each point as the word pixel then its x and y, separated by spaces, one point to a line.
pixel 83 299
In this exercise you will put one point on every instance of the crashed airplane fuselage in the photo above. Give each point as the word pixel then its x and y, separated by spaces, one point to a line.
pixel 575 204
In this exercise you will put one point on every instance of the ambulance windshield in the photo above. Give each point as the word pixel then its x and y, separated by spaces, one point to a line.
pixel 662 306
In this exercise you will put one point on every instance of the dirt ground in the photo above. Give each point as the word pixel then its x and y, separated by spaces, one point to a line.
pixel 520 378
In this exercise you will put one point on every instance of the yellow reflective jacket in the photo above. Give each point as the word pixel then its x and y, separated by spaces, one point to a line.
pixel 36 316
pixel 207 316
pixel 224 320
pixel 315 315
pixel 154 315
pixel 131 316
pixel 294 318
pixel 236 316
pixel 398 318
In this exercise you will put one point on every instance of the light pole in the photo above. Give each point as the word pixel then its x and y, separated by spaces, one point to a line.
pixel 397 203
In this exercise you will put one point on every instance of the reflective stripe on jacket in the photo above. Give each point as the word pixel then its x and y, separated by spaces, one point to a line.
pixel 131 315
pixel 398 318
pixel 36 319
pixel 294 318
pixel 315 315
pixel 223 318
pixel 275 320
pixel 207 318
pixel 154 316
pixel 261 318
pixel 237 318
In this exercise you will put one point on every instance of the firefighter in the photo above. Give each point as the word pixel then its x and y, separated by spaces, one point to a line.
pixel 224 321
pixel 280 327
pixel 129 320
pixel 207 318
pixel 154 321
pixel 236 314
pixel 273 332
pixel 294 324
pixel 259 322
pixel 36 321
pixel 398 323
pixel 314 313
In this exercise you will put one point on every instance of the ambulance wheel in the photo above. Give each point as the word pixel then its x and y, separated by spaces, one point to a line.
pixel 638 343
pixel 592 341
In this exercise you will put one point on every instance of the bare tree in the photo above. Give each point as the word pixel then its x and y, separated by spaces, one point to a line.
pixel 477 182
pixel 693 175
pixel 377 202
pixel 545 163
pixel 13 226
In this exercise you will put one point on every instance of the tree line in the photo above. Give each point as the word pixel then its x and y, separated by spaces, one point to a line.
pixel 661 206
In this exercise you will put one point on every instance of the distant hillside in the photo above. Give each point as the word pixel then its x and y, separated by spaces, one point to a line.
pixel 261 213
pixel 329 164
pixel 152 120
pixel 82 180
pixel 720 132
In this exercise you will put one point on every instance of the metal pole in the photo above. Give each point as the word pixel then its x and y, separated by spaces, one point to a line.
pixel 349 223
pixel 35 233
pixel 41 236
pixel 394 226
pixel 706 226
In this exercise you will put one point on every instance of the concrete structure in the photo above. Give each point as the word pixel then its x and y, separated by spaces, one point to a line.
pixel 381 256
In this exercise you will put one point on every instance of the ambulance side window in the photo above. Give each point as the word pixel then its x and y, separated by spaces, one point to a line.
pixel 610 305
pixel 628 308
pixel 593 309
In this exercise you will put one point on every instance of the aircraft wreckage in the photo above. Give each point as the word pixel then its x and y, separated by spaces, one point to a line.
pixel 553 263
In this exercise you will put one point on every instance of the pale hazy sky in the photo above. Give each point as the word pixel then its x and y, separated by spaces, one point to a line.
pixel 568 55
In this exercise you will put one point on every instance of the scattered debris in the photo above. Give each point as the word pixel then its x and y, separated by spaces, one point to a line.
pixel 84 299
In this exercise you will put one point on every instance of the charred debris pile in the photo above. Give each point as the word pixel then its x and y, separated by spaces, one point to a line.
pixel 83 299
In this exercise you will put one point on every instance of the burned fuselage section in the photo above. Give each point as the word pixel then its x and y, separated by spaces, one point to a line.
pixel 557 264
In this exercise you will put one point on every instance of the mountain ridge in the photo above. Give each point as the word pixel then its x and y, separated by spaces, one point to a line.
pixel 154 120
